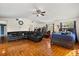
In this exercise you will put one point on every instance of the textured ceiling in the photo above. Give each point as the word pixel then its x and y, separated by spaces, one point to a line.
pixel 54 11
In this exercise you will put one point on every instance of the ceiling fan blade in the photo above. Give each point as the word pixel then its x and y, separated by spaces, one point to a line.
pixel 43 12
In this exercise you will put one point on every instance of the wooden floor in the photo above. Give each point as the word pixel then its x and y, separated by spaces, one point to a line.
pixel 26 47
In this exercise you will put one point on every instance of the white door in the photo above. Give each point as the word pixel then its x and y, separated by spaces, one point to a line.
pixel 77 29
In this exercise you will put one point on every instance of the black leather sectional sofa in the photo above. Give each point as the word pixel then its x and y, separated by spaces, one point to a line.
pixel 16 35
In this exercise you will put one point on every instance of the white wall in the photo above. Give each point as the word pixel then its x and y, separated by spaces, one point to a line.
pixel 2 22
pixel 12 24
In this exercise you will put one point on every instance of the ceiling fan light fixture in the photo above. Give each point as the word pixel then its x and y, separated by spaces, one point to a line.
pixel 39 12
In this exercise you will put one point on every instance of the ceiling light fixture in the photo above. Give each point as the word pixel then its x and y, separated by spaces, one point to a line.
pixel 39 12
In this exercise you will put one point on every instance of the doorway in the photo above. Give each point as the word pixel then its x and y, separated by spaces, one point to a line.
pixel 3 35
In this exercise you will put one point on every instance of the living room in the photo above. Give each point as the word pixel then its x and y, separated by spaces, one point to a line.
pixel 40 29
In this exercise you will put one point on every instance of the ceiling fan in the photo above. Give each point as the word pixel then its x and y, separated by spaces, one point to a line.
pixel 39 12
